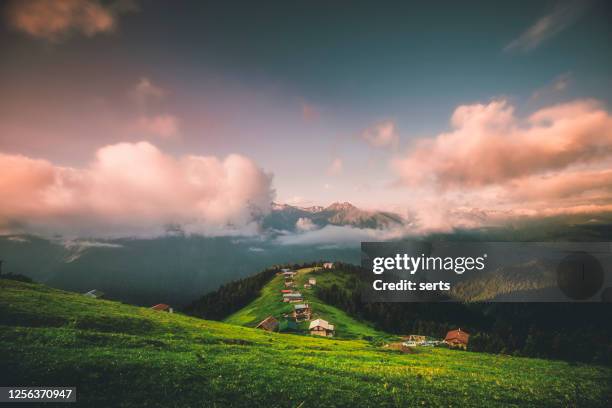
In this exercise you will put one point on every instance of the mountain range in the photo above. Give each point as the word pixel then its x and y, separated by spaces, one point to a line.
pixel 285 217
pixel 177 268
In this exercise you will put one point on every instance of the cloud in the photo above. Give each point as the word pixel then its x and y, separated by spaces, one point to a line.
pixel 335 167
pixel 381 135
pixel 493 166
pixel 16 238
pixel 145 92
pixel 146 95
pixel 305 224
pixel 563 15
pixel 298 200
pixel 85 244
pixel 577 186
pixel 559 84
pixel 53 20
pixel 134 189
pixel 164 125
pixel 490 145
pixel 340 236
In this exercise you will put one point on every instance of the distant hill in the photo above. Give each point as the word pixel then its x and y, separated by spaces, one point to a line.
pixel 290 218
pixel 120 355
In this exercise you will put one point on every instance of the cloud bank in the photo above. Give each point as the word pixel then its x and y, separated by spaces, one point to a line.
pixel 305 224
pixel 134 189
pixel 341 236
pixel 555 161
pixel 54 19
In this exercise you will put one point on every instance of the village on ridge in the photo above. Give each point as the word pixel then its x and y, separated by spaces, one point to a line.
pixel 303 312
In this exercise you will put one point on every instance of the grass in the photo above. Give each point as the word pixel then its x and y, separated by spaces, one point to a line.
pixel 120 355
pixel 270 303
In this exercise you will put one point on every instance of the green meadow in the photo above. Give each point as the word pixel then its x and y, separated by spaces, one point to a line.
pixel 120 355
pixel 270 303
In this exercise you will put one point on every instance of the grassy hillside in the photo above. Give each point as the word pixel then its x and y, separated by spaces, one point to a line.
pixel 123 355
pixel 270 303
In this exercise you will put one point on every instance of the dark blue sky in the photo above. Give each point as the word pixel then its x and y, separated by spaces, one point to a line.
pixel 366 53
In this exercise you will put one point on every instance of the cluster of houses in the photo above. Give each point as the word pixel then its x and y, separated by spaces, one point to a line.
pixel 454 339
pixel 302 312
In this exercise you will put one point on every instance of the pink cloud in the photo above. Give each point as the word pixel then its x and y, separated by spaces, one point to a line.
pixel 335 167
pixel 134 189
pixel 492 166
pixel 53 19
pixel 381 135
pixel 577 186
pixel 145 92
pixel 490 145
pixel 164 125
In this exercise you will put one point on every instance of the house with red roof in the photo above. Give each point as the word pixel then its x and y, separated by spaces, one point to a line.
pixel 162 307
pixel 457 339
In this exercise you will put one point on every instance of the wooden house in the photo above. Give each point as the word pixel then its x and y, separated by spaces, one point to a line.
pixel 320 327
pixel 457 339
pixel 162 307
pixel 301 312
pixel 269 324
pixel 95 294
pixel 293 297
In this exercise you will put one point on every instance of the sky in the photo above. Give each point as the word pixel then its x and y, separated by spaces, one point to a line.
pixel 203 113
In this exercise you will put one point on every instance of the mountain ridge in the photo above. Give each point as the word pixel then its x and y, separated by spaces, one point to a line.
pixel 286 217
